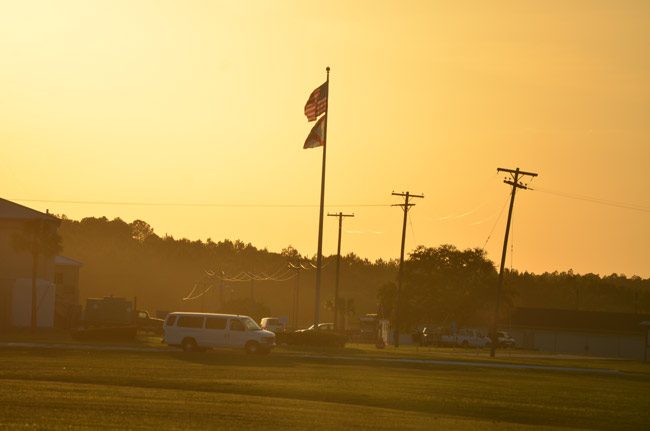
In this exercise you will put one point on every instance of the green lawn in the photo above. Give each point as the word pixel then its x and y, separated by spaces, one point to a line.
pixel 57 388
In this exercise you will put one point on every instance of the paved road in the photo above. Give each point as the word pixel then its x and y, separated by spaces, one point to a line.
pixel 313 356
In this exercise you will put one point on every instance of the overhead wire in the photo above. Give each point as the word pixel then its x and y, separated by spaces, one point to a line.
pixel 601 201
pixel 193 204
pixel 281 274
pixel 496 222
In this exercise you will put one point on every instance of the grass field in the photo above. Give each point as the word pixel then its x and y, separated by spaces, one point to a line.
pixel 59 388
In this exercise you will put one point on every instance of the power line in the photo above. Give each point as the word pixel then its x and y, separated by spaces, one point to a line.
pixel 636 207
pixel 189 204
pixel 496 221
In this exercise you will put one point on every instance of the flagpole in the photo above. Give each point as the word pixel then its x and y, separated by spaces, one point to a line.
pixel 319 256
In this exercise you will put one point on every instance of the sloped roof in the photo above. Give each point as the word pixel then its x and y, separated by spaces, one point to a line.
pixel 66 261
pixel 577 320
pixel 14 211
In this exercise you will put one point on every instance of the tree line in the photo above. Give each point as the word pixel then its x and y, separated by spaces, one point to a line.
pixel 441 284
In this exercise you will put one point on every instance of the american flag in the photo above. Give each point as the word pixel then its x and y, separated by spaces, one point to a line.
pixel 317 102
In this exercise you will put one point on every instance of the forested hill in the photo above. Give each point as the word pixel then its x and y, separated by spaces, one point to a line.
pixel 129 259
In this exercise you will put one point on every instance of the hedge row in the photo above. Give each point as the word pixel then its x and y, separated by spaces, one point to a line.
pixel 312 338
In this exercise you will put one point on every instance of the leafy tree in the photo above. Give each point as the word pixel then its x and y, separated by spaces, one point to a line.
pixel 442 284
pixel 140 230
pixel 346 309
pixel 39 238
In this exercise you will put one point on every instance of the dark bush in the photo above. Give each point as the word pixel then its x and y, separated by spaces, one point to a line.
pixel 312 338
pixel 105 334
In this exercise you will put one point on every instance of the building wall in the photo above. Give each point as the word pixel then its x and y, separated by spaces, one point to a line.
pixel 16 265
pixel 608 345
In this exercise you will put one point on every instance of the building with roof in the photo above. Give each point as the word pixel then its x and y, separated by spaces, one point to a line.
pixel 16 272
pixel 586 333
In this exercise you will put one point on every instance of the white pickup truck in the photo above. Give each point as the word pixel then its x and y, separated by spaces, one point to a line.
pixel 466 338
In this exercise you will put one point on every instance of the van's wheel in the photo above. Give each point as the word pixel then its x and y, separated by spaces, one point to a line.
pixel 252 347
pixel 189 345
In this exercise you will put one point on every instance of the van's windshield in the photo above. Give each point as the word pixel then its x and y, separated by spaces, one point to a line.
pixel 250 324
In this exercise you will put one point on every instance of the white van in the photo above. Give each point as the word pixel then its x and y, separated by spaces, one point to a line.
pixel 198 331
pixel 273 324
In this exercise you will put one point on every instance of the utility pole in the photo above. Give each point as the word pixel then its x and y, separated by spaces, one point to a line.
pixel 405 206
pixel 253 283
pixel 340 215
pixel 516 184
pixel 296 296
pixel 221 303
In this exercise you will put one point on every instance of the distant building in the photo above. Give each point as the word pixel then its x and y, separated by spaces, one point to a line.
pixel 586 333
pixel 16 274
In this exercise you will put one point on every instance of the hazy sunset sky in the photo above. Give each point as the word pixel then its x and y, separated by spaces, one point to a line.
pixel 201 102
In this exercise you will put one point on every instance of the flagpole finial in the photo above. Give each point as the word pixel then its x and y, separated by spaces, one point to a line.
pixel 327 69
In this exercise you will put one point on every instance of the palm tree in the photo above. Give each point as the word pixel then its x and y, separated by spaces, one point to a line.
pixel 38 238
pixel 345 308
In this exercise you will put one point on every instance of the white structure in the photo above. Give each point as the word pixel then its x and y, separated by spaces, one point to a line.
pixel 21 307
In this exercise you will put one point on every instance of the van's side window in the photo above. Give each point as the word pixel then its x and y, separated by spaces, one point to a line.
pixel 171 320
pixel 236 325
pixel 190 321
pixel 215 323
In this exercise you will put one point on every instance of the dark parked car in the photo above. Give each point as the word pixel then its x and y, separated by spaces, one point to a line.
pixel 505 340
pixel 146 323
pixel 321 327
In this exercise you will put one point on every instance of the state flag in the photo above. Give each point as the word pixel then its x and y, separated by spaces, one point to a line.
pixel 316 137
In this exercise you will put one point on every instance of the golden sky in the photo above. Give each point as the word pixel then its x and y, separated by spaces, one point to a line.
pixel 201 102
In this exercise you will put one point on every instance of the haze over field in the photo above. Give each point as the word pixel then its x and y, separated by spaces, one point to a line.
pixel 201 103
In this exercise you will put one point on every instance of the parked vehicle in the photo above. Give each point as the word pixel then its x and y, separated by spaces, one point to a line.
pixel 114 317
pixel 273 324
pixel 465 338
pixel 321 327
pixel 374 329
pixel 200 331
pixel 144 322
pixel 108 311
pixel 505 340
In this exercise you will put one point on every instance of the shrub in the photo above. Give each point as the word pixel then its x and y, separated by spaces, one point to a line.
pixel 312 338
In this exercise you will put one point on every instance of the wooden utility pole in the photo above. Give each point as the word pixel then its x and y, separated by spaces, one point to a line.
pixel 405 206
pixel 296 296
pixel 253 283
pixel 221 301
pixel 340 215
pixel 514 182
